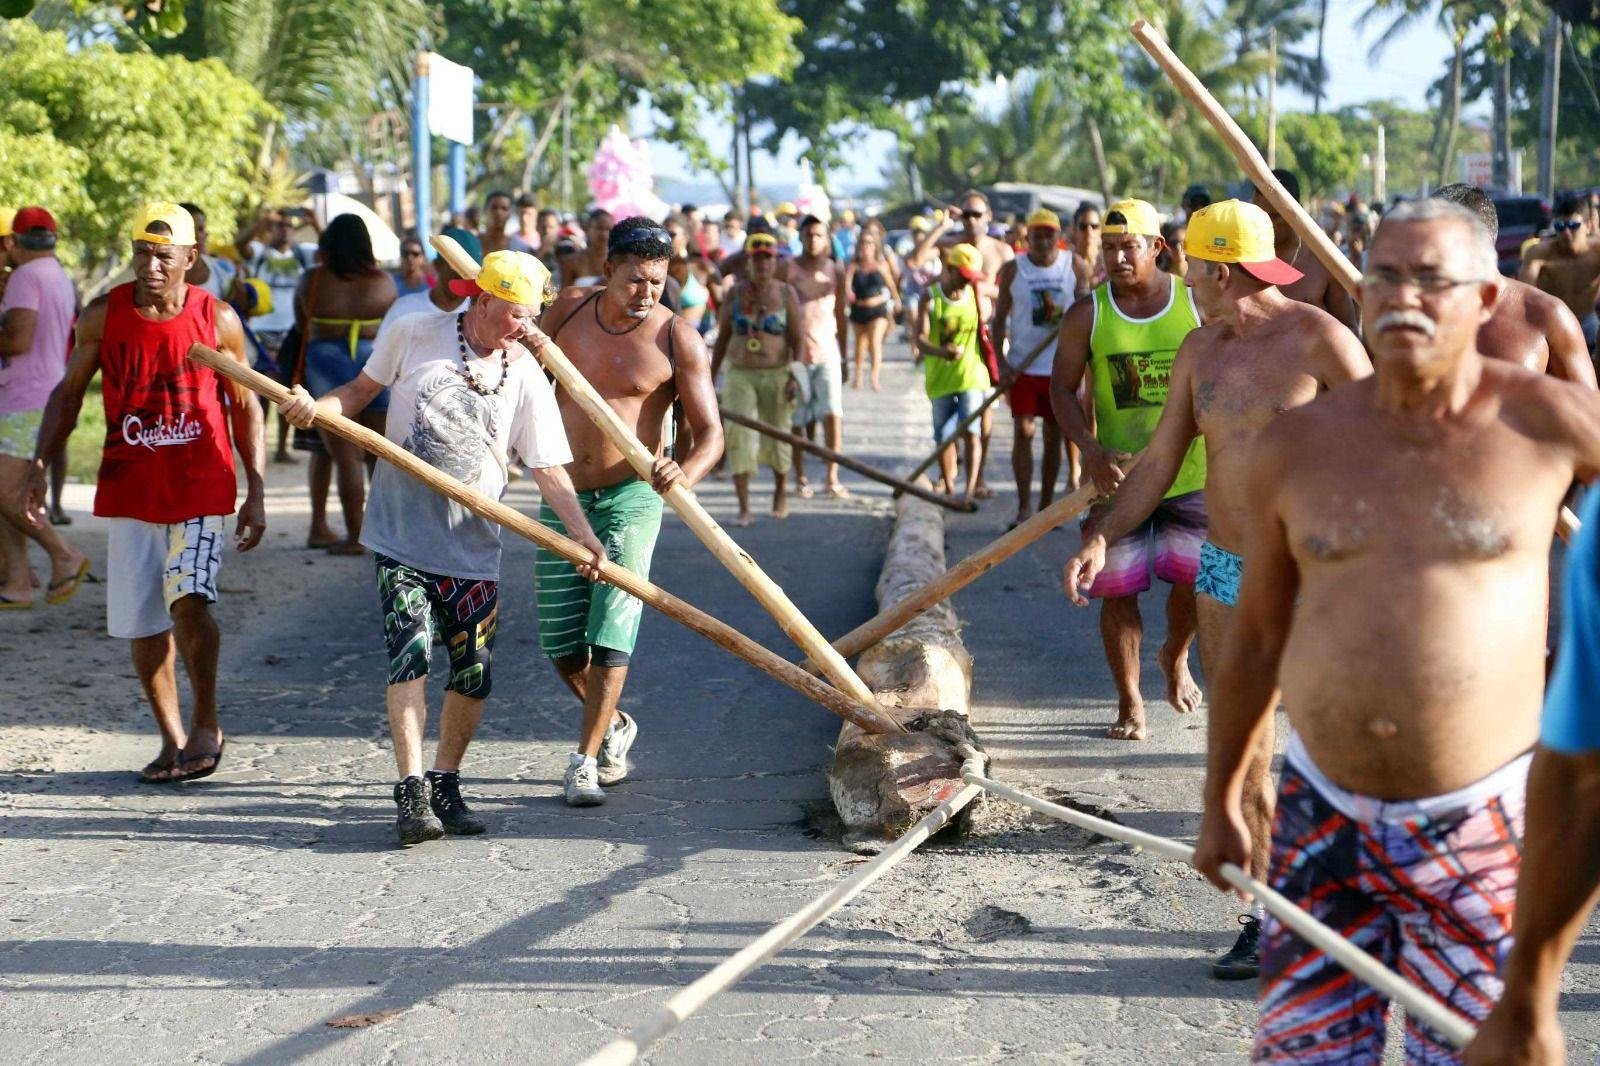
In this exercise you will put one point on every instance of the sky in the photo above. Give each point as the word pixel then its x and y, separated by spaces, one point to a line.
pixel 1404 72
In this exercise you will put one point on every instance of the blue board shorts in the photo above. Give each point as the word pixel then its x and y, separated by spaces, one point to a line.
pixel 1219 574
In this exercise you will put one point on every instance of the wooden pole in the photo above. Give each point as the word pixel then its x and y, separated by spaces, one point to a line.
pixel 1289 209
pixel 626 580
pixel 766 591
pixel 974 416
pixel 968 570
pixel 848 463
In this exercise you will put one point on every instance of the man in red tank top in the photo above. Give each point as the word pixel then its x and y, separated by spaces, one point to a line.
pixel 166 476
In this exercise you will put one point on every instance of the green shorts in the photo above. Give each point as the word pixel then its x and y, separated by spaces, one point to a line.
pixel 19 433
pixel 574 613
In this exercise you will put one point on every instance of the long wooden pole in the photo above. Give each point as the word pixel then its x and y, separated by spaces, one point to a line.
pixel 848 463
pixel 626 580
pixel 974 416
pixel 744 569
pixel 968 570
pixel 1289 209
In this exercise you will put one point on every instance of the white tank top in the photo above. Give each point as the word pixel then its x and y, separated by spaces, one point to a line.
pixel 1040 295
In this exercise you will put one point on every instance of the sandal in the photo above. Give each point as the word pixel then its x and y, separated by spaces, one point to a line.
pixel 194 775
pixel 155 767
pixel 66 588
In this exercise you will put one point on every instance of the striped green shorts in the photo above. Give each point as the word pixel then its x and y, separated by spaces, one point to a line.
pixel 575 613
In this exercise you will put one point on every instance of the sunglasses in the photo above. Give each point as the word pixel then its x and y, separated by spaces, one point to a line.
pixel 1573 224
pixel 1087 226
pixel 973 214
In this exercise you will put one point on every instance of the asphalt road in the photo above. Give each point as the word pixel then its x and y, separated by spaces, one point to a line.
pixel 231 920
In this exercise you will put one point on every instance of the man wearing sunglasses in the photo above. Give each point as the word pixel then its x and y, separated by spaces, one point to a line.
pixel 1529 327
pixel 1397 560
pixel 1567 266
pixel 645 361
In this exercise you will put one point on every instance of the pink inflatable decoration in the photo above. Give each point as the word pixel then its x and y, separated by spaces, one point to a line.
pixel 621 180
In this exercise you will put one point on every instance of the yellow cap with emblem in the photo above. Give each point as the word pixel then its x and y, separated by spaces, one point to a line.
pixel 1138 216
pixel 515 277
pixel 1044 218
pixel 179 223
pixel 1234 232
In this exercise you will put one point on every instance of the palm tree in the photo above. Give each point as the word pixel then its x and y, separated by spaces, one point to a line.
pixel 1250 21
pixel 1455 17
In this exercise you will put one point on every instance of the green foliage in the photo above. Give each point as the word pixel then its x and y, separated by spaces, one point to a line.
pixel 598 58
pixel 91 133
pixel 1320 152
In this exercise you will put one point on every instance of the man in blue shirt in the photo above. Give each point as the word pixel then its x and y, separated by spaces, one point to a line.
pixel 1561 849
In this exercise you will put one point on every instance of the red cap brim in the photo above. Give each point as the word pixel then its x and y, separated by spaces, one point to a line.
pixel 465 286
pixel 1273 272
pixel 971 275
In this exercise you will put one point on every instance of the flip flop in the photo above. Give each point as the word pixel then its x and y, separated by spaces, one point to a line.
pixel 153 767
pixel 64 590
pixel 8 604
pixel 195 775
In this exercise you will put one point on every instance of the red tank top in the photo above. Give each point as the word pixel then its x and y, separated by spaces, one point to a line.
pixel 168 456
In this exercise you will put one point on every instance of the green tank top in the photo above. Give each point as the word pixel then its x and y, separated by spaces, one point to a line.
pixel 954 322
pixel 1131 360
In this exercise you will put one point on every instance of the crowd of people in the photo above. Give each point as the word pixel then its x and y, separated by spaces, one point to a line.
pixel 1352 496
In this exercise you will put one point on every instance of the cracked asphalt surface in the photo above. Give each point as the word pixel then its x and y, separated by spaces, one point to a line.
pixel 232 919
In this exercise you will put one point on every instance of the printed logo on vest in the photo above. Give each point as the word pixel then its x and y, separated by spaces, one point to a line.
pixel 160 433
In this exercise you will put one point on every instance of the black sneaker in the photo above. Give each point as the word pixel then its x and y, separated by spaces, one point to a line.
pixel 416 822
pixel 446 801
pixel 1243 960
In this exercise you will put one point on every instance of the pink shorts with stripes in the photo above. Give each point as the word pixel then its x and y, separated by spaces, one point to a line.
pixel 1174 531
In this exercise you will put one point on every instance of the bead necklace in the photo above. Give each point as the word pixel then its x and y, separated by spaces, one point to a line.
pixel 472 379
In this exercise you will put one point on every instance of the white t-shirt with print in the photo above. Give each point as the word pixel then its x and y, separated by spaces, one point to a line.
pixel 436 416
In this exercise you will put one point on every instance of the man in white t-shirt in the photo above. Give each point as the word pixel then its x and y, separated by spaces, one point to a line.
pixel 465 395
pixel 1035 291
pixel 271 255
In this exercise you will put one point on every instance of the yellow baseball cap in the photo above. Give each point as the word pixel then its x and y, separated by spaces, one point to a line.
pixel 761 244
pixel 1139 217
pixel 1232 231
pixel 178 221
pixel 1044 218
pixel 6 215
pixel 919 224
pixel 258 300
pixel 786 208
pixel 847 216
pixel 967 260
pixel 515 277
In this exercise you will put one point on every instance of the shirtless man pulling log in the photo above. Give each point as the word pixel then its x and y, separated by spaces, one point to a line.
pixel 1316 286
pixel 1529 327
pixel 1261 354
pixel 1567 266
pixel 641 358
pixel 1398 540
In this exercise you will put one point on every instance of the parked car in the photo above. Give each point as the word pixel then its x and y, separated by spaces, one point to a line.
pixel 1521 217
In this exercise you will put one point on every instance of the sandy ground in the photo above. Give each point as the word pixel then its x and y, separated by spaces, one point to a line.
pixel 233 919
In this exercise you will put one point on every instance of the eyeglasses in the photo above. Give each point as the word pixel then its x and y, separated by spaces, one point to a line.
pixel 1087 226
pixel 1570 224
pixel 1426 282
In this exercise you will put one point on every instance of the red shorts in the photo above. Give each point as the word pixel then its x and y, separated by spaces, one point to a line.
pixel 1030 397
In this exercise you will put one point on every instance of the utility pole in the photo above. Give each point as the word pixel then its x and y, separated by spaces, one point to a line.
pixel 566 157
pixel 738 160
pixel 1500 157
pixel 1322 32
pixel 1547 106
pixel 1102 171
pixel 1272 97
pixel 1380 170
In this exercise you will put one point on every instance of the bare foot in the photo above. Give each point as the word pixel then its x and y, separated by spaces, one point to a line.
pixel 347 547
pixel 983 492
pixel 781 511
pixel 1130 723
pixel 284 459
pixel 743 520
pixel 1182 692
pixel 875 386
pixel 322 538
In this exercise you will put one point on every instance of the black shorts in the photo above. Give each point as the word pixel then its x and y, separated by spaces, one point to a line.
pixel 416 603
pixel 862 315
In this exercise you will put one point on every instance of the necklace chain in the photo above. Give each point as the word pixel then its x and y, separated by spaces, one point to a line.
pixel 466 372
